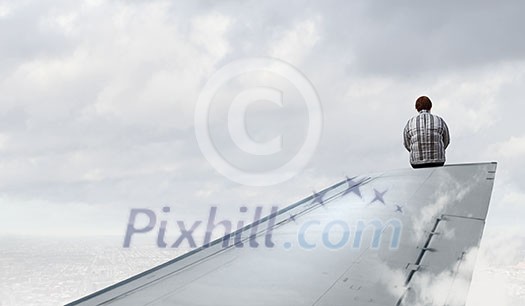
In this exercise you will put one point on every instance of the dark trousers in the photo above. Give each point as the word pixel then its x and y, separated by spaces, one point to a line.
pixel 429 165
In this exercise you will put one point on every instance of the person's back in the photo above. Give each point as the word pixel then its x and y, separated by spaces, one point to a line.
pixel 426 136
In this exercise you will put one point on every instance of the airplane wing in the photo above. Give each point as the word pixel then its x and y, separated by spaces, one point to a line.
pixel 404 237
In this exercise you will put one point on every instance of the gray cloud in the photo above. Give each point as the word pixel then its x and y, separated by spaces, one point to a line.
pixel 97 105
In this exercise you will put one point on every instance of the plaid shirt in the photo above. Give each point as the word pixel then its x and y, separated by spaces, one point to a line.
pixel 426 138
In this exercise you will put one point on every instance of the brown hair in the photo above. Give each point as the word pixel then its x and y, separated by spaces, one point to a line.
pixel 422 103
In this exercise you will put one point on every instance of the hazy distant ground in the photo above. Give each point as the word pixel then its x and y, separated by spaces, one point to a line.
pixel 36 271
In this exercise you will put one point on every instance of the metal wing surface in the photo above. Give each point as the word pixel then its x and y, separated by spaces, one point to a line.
pixel 404 237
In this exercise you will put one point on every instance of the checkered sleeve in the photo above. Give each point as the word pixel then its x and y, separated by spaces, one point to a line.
pixel 446 134
pixel 406 136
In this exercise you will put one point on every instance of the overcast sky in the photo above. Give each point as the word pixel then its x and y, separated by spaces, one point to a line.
pixel 97 101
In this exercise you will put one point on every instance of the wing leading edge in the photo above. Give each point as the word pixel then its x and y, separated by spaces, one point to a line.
pixel 405 237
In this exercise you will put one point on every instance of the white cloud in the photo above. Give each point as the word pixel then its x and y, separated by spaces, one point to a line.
pixel 3 141
pixel 93 3
pixel 497 275
pixel 208 31
pixel 513 199
pixel 66 23
pixel 514 147
pixel 5 10
pixel 448 287
pixel 296 43
pixel 447 192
